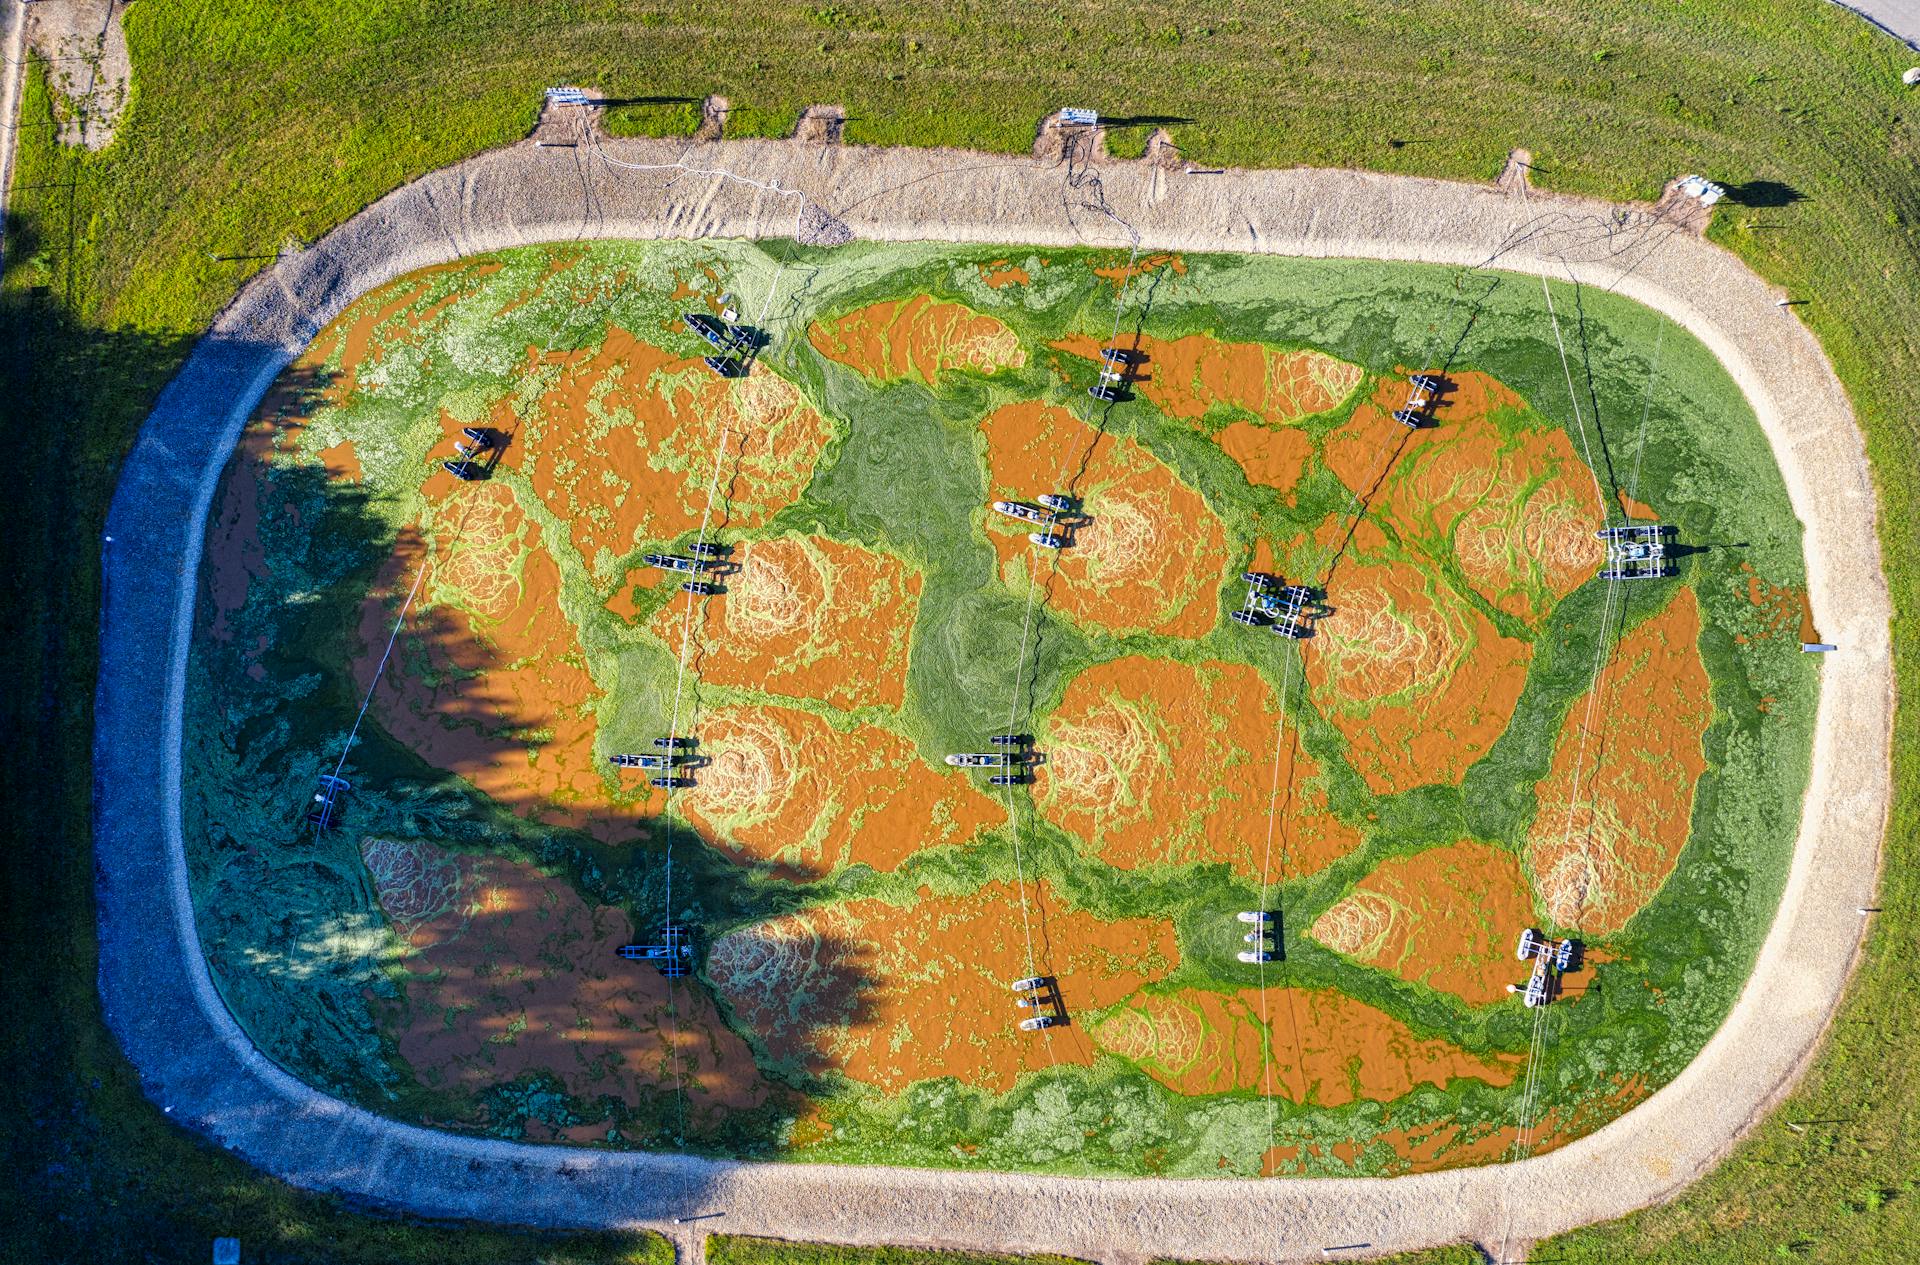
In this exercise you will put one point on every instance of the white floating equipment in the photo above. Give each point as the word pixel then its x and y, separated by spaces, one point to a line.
pixel 1701 189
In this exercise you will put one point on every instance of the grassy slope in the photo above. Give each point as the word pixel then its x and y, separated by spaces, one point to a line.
pixel 252 123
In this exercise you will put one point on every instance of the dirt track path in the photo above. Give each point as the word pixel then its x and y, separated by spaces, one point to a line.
pixel 197 1062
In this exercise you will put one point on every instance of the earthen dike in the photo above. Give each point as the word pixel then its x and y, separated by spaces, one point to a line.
pixel 199 1065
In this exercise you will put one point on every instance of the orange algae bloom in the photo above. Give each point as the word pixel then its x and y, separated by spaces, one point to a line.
pixel 895 995
pixel 1150 559
pixel 1596 862
pixel 1325 1047
pixel 1120 750
pixel 1446 918
pixel 918 339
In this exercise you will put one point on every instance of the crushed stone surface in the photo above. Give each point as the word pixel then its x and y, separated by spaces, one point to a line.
pixel 86 54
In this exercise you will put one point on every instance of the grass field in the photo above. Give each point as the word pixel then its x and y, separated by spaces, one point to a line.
pixel 882 616
pixel 254 123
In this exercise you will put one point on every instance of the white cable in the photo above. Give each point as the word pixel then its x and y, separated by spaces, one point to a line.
pixel 426 560
pixel 1523 1139
pixel 1020 662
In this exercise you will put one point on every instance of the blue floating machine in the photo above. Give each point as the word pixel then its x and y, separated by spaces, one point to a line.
pixel 672 957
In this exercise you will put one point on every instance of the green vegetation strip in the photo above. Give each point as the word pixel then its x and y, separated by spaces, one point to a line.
pixel 253 123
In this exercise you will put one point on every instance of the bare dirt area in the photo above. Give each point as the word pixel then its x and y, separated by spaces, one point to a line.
pixel 1149 558
pixel 86 51
pixel 1599 859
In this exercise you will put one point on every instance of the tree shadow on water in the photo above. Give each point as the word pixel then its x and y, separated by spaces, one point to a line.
pixel 509 888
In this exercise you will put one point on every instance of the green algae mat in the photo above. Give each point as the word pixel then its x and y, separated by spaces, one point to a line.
pixel 1480 735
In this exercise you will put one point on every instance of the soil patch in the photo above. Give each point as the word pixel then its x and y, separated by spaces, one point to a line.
pixel 1447 918
pixel 87 64
pixel 1597 860
pixel 1124 748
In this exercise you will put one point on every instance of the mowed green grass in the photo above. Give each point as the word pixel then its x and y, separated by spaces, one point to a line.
pixel 254 123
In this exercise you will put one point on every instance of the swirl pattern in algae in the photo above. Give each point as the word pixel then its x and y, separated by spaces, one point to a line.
pixel 935 983
pixel 1490 481
pixel 1433 769
pixel 489 682
pixel 628 443
pixel 786 788
pixel 1447 918
pixel 508 973
pixel 809 617
pixel 1419 681
pixel 919 339
pixel 1151 557
pixel 1190 377
pixel 1307 1045
pixel 1132 737
pixel 1600 852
